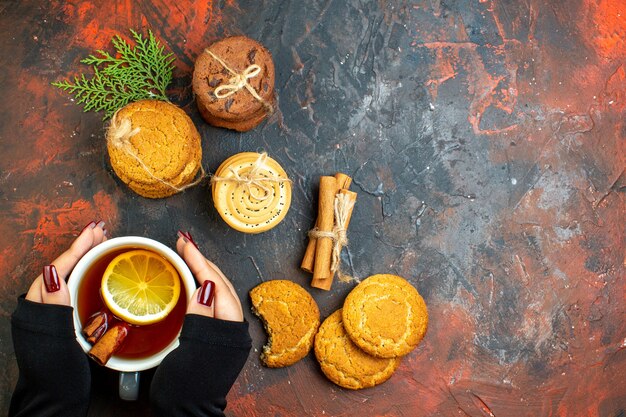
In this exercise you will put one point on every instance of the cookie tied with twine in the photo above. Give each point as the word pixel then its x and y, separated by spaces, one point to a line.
pixel 233 81
pixel 155 148
pixel 251 192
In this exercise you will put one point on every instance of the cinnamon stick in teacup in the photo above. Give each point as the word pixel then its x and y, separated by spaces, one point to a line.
pixel 109 343
pixel 308 260
pixel 96 326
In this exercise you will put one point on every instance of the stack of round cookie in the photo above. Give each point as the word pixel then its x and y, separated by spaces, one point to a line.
pixel 154 148
pixel 233 81
pixel 251 192
pixel 361 345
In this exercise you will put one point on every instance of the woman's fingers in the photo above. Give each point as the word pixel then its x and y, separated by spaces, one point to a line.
pixel 226 280
pixel 93 234
pixel 204 300
pixel 34 292
pixel 185 238
pixel 197 263
pixel 225 303
pixel 53 288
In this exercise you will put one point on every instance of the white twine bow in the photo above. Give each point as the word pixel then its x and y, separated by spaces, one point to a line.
pixel 253 178
pixel 238 81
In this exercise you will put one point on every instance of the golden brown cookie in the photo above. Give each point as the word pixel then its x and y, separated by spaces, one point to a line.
pixel 154 147
pixel 221 96
pixel 291 318
pixel 385 316
pixel 251 192
pixel 344 363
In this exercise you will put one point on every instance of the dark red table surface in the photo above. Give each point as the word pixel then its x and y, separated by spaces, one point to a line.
pixel 486 140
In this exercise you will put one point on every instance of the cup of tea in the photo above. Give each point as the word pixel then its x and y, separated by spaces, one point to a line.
pixel 144 346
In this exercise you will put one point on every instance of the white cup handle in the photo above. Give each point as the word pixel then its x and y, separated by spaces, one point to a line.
pixel 129 386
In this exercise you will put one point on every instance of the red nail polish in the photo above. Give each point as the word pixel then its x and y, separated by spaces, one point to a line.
pixel 51 278
pixel 193 242
pixel 207 292
pixel 187 237
pixel 101 224
pixel 90 225
pixel 182 235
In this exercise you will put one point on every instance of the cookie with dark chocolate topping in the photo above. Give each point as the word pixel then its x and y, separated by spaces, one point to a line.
pixel 233 81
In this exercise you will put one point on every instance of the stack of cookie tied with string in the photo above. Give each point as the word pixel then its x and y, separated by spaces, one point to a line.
pixel 361 345
pixel 233 81
pixel 155 148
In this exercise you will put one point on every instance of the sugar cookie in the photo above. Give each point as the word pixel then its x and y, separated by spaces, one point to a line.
pixel 385 316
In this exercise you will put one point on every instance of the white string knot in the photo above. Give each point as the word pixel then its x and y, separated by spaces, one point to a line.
pixel 254 177
pixel 120 132
pixel 239 81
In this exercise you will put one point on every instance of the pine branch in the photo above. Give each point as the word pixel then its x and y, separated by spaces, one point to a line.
pixel 141 72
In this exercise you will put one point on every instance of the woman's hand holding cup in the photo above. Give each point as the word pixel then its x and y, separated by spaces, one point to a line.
pixel 216 296
pixel 50 287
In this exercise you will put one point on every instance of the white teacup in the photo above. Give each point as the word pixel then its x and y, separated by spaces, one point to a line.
pixel 129 368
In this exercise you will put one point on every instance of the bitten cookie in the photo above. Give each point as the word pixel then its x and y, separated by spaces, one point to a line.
pixel 385 316
pixel 154 148
pixel 233 81
pixel 344 363
pixel 291 319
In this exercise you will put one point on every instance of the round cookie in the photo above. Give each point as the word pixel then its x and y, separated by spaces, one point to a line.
pixel 344 363
pixel 251 207
pixel 291 319
pixel 218 67
pixel 385 316
pixel 154 148
pixel 240 126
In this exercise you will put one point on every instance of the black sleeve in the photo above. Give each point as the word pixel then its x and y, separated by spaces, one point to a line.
pixel 54 377
pixel 193 379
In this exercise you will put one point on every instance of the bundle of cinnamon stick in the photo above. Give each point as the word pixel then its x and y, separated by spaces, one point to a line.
pixel 322 255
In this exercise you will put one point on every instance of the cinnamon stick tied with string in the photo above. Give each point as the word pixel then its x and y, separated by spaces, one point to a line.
pixel 343 181
pixel 108 344
pixel 343 206
pixel 329 236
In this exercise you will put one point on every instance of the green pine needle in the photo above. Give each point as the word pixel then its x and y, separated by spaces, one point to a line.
pixel 142 72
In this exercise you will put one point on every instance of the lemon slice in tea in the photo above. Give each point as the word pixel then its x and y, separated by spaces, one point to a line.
pixel 140 287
